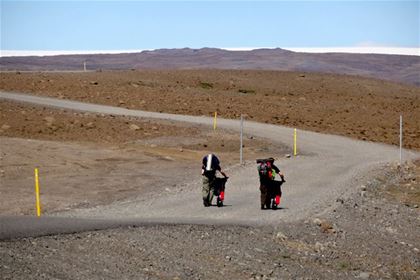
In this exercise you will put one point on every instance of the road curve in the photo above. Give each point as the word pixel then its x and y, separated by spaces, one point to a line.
pixel 327 167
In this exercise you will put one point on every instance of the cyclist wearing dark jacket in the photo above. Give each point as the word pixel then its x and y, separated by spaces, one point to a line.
pixel 210 165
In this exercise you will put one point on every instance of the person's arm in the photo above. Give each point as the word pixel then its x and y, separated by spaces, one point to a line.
pixel 279 172
pixel 221 171
pixel 203 166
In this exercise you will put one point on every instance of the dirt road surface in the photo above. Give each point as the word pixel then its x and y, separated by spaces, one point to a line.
pixel 348 210
pixel 327 167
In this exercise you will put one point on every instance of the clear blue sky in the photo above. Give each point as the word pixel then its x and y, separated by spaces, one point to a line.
pixel 121 25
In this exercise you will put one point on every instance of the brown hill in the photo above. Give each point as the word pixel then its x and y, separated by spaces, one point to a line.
pixel 399 68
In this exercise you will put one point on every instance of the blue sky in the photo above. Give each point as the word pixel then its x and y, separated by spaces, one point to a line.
pixel 124 25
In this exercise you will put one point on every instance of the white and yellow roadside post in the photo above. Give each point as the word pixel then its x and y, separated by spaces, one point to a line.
pixel 215 121
pixel 294 143
pixel 38 203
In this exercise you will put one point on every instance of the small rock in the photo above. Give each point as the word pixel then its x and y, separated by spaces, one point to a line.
pixel 288 156
pixel 228 258
pixel 317 221
pixel 281 236
pixel 391 230
pixel 415 206
pixel 153 146
pixel 90 125
pixel 364 275
pixel 363 188
pixel 134 127
pixel 49 120
pixel 363 193
pixel 5 127
pixel 319 247
pixel 416 250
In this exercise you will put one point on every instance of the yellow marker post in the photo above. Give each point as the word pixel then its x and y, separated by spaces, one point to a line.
pixel 294 143
pixel 38 206
pixel 215 121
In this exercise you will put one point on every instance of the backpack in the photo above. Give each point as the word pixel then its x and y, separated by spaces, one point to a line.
pixel 264 169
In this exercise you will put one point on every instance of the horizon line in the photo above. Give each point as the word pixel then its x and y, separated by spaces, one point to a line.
pixel 357 50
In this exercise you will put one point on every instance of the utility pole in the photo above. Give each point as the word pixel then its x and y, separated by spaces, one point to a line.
pixel 242 132
pixel 401 139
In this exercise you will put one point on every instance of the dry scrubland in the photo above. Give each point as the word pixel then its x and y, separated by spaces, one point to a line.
pixel 353 106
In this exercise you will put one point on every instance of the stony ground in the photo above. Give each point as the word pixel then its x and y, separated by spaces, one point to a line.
pixel 372 234
pixel 346 105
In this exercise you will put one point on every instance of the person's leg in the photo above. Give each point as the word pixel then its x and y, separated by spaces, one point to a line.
pixel 275 189
pixel 212 182
pixel 270 194
pixel 263 190
pixel 205 191
pixel 278 195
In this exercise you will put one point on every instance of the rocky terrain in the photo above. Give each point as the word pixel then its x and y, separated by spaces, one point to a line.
pixel 372 234
pixel 91 161
pixel 357 107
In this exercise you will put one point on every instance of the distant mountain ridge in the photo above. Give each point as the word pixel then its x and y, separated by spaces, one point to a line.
pixel 398 68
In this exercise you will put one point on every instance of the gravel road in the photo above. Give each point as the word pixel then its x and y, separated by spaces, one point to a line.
pixel 327 167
